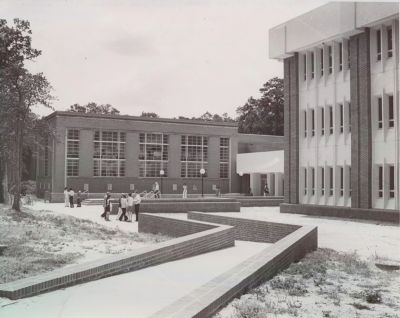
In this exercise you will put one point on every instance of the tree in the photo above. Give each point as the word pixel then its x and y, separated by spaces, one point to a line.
pixel 149 115
pixel 264 115
pixel 93 108
pixel 19 92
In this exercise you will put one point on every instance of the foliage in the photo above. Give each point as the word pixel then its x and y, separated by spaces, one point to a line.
pixel 263 115
pixel 93 108
pixel 207 116
pixel 149 115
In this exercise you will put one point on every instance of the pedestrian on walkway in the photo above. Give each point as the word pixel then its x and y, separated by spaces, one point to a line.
pixel 124 204
pixel 136 201
pixel 130 207
pixel 108 207
pixel 266 190
pixel 78 199
pixel 184 193
pixel 71 194
pixel 66 197
pixel 103 215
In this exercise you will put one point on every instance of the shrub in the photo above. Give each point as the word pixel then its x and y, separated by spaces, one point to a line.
pixel 373 297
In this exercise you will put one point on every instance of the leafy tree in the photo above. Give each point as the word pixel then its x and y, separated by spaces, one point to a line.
pixel 19 92
pixel 149 115
pixel 263 115
pixel 207 116
pixel 93 108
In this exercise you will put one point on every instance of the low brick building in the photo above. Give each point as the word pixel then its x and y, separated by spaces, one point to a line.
pixel 98 153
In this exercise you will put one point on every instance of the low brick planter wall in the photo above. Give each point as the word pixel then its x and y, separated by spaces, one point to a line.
pixel 391 216
pixel 206 300
pixel 260 201
pixel 249 230
pixel 183 206
pixel 202 238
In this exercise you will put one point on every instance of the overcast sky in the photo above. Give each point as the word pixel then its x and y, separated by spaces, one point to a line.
pixel 169 57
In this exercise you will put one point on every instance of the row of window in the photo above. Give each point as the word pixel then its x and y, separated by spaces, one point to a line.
pixel 326 185
pixel 109 154
pixel 325 118
pixel 385 111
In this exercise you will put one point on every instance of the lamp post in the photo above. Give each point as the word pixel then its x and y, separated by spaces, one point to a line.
pixel 161 176
pixel 202 172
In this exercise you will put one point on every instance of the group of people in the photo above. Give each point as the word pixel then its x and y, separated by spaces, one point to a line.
pixel 127 204
pixel 69 195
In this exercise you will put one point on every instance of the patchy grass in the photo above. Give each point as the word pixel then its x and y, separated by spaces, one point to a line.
pixel 39 241
pixel 325 283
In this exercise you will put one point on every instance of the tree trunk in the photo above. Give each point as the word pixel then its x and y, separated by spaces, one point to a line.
pixel 18 168
pixel 4 183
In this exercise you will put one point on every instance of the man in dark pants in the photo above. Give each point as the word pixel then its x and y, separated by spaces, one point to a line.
pixel 136 201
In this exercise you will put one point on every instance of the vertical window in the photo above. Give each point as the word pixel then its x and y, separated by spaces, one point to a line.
pixel 349 171
pixel 391 181
pixel 322 171
pixel 46 158
pixel 330 120
pixel 322 121
pixel 349 113
pixel 312 64
pixel 305 181
pixel 330 60
pixel 341 117
pixel 305 66
pixel 340 56
pixel 380 181
pixel 224 157
pixel 380 113
pixel 321 52
pixel 330 181
pixel 109 154
pixel 341 181
pixel 312 122
pixel 72 153
pixel 389 41
pixel 153 154
pixel 312 181
pixel 348 54
pixel 391 111
pixel 305 123
pixel 194 154
pixel 378 45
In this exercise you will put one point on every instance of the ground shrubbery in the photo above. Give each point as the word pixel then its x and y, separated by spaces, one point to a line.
pixel 325 283
pixel 39 241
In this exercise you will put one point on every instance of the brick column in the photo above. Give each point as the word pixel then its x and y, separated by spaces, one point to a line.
pixel 86 149
pixel 174 156
pixel 132 155
pixel 213 157
pixel 291 129
pixel 361 143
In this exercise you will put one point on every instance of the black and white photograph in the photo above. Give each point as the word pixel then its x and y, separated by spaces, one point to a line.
pixel 199 159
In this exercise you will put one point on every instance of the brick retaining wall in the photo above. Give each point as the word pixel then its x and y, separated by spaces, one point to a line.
pixel 208 299
pixel 391 216
pixel 257 202
pixel 211 238
pixel 249 230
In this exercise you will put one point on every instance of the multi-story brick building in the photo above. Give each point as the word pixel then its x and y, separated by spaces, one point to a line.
pixel 341 79
pixel 99 153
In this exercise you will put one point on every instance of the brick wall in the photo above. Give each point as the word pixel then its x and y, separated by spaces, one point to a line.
pixel 249 230
pixel 211 237
pixel 206 300
pixel 251 202
pixel 391 216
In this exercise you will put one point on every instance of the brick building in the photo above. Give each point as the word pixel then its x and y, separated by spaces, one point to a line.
pixel 99 153
pixel 341 79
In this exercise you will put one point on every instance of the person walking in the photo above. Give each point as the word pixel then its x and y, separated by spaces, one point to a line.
pixel 157 190
pixel 103 215
pixel 184 193
pixel 130 207
pixel 108 206
pixel 71 194
pixel 136 201
pixel 78 199
pixel 266 190
pixel 124 204
pixel 66 197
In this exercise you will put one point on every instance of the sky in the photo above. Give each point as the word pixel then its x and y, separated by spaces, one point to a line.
pixel 174 58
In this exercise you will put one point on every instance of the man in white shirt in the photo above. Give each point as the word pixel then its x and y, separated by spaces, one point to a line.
pixel 71 194
pixel 124 204
pixel 130 207
pixel 66 197
pixel 136 201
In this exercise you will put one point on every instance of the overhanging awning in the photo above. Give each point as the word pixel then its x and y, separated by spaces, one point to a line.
pixel 260 162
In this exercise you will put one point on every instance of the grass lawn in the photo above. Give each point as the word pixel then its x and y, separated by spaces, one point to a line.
pixel 40 241
pixel 326 283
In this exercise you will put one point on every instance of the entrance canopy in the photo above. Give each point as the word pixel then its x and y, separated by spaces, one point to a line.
pixel 260 162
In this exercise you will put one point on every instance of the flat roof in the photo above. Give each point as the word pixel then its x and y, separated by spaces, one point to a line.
pixel 143 119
